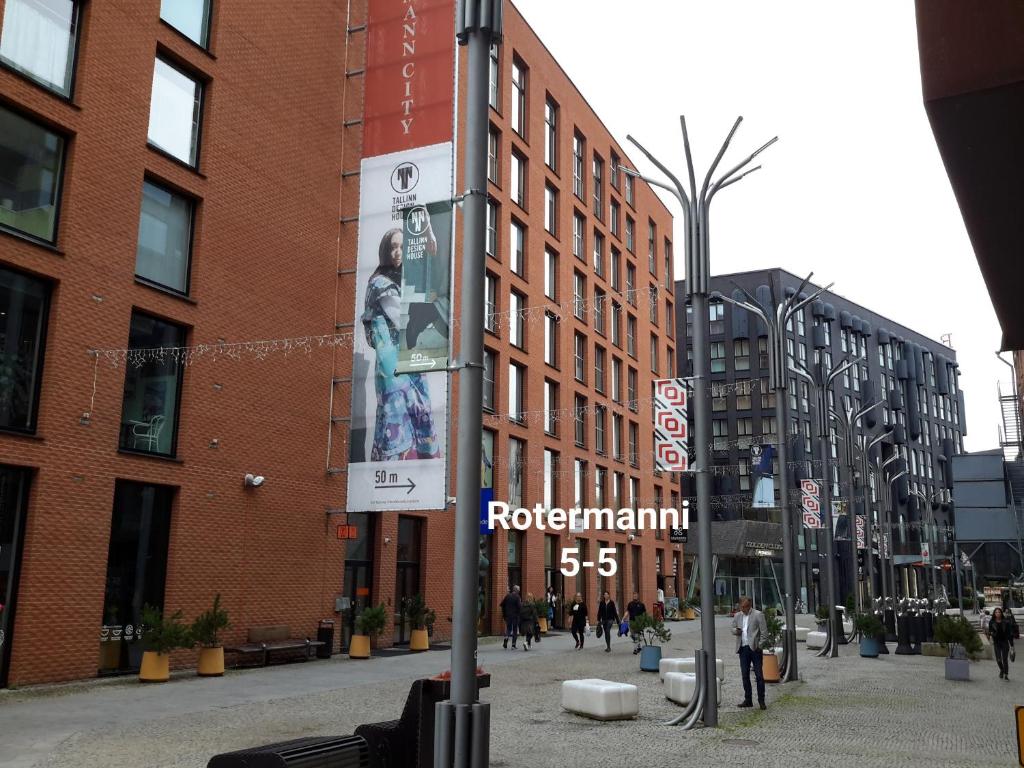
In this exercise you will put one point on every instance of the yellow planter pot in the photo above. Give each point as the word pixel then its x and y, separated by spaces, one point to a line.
pixel 359 647
pixel 211 662
pixel 419 640
pixel 543 625
pixel 771 668
pixel 156 667
pixel 688 614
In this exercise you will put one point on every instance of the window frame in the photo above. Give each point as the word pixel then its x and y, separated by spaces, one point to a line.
pixel 32 427
pixel 186 292
pixel 58 197
pixel 201 82
pixel 72 70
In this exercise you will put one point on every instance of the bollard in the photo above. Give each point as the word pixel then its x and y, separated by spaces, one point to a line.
pixel 903 647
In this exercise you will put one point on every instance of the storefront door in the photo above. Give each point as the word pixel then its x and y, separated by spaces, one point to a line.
pixel 13 501
pixel 358 579
pixel 747 590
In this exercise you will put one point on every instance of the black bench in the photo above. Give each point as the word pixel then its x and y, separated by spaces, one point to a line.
pixel 275 639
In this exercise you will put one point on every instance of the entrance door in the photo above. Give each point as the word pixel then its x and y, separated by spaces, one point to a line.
pixel 13 502
pixel 746 586
pixel 407 574
pixel 358 578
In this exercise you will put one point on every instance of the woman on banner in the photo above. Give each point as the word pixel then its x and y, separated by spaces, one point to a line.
pixel 404 423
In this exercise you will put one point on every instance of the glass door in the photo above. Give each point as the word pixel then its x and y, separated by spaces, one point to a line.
pixel 13 502
pixel 358 578
pixel 746 586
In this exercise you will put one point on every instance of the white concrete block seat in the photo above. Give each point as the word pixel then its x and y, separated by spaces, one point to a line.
pixel 816 639
pixel 685 664
pixel 680 687
pixel 801 634
pixel 601 699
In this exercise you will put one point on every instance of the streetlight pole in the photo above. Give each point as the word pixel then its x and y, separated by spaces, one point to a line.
pixel 888 588
pixel 869 512
pixel 930 580
pixel 892 525
pixel 462 732
pixel 776 318
pixel 696 207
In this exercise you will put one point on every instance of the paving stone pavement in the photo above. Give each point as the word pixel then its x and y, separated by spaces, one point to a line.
pixel 896 710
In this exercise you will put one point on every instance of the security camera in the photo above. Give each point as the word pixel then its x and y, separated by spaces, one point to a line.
pixel 254 481
pixel 630 537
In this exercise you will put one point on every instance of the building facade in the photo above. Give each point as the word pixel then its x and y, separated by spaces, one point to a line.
pixel 915 378
pixel 176 253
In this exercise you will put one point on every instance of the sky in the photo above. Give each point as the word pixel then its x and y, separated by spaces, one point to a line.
pixel 854 188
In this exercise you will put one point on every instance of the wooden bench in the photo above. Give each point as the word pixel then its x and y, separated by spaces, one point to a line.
pixel 272 639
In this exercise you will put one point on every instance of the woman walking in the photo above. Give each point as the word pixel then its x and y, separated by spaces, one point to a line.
pixel 551 598
pixel 1000 632
pixel 608 619
pixel 527 620
pixel 578 610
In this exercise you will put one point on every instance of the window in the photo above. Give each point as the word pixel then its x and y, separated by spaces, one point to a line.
pixel 580 427
pixel 744 473
pixel 634 445
pixel 165 238
pixel 719 396
pixel 24 309
pixel 578 243
pixel 175 112
pixel 720 432
pixel 490 303
pixel 617 324
pixel 516 305
pixel 630 283
pixel 652 304
pixel 670 325
pixel 30 174
pixel 762 352
pixel 616 268
pixel 630 234
pixel 671 356
pixel 579 352
pixel 578 148
pixel 631 389
pixel 517 246
pixel 805 397
pixel 599 358
pixel 550 407
pixel 551 209
pixel 551 340
pixel 517 180
pixel 519 73
pixel 599 299
pixel 768 425
pixel 579 473
pixel 617 437
pixel 629 189
pixel 741 354
pixel 631 335
pixel 654 353
pixel 600 481
pixel 616 380
pixel 551 133
pixel 716 316
pixel 599 414
pixel 767 397
pixel 152 388
pixel 190 17
pixel 718 357
pixel 801 322
pixel 516 391
pixel 599 253
pixel 550 273
pixel 668 264
pixel 39 39
pixel 490 363
pixel 598 187
pixel 494 156
pixel 491 243
pixel 613 171
pixel 652 247
pixel 550 478
pixel 579 296
pixel 516 461
pixel 613 218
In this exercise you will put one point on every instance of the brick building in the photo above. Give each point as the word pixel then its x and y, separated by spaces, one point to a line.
pixel 169 179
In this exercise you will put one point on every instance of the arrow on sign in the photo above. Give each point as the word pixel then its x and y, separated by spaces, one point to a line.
pixel 408 484
pixel 423 363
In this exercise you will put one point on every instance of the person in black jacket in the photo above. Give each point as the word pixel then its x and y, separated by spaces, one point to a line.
pixel 608 618
pixel 578 611
pixel 511 608
pixel 527 621
pixel 1000 632
pixel 634 609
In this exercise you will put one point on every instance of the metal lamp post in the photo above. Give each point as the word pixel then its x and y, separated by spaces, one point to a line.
pixel 926 500
pixel 892 524
pixel 776 318
pixel 870 524
pixel 696 205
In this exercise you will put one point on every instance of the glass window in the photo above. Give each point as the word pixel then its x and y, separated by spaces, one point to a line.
pixel 493 156
pixel 551 209
pixel 39 39
pixel 165 237
pixel 613 218
pixel 580 432
pixel 24 308
pixel 516 456
pixel 599 357
pixel 579 295
pixel 741 354
pixel 599 414
pixel 615 268
pixel 175 111
pixel 630 234
pixel 551 133
pixel 488 391
pixel 717 357
pixel 551 340
pixel 551 460
pixel 580 356
pixel 152 387
pixel 550 274
pixel 634 448
pixel 652 247
pixel 631 389
pixel 599 253
pixel 578 236
pixel 517 182
pixel 631 335
pixel 617 324
pixel 516 386
pixel 654 354
pixel 598 187
pixel 629 189
pixel 494 83
pixel 516 305
pixel 599 299
pixel 579 473
pixel 630 283
pixel 517 245
pixel 190 17
pixel 550 407
pixel 31 163
pixel 491 243
pixel 616 380
pixel 519 72
pixel 578 147
pixel 490 303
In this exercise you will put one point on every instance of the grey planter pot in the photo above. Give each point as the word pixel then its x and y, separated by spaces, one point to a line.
pixel 958 669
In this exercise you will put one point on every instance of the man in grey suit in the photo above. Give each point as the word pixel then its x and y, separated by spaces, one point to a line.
pixel 751 630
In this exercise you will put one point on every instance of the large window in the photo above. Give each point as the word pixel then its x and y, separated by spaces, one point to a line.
pixel 551 462
pixel 551 209
pixel 190 17
pixel 175 112
pixel 23 313
pixel 551 134
pixel 598 187
pixel 39 39
pixel 519 74
pixel 494 156
pixel 165 237
pixel 516 307
pixel 578 146
pixel 551 339
pixel 578 236
pixel 516 460
pixel 152 387
pixel 491 240
pixel 550 274
pixel 31 162
pixel 490 303
pixel 517 180
pixel 494 84
pixel 550 407
pixel 516 391
pixel 488 390
pixel 517 247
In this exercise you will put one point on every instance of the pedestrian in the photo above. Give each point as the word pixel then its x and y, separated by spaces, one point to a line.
pixel 551 598
pixel 634 609
pixel 607 618
pixel 511 609
pixel 527 621
pixel 751 630
pixel 1000 632
pixel 578 610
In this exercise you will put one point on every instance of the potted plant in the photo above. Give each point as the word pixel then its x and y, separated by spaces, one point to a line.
pixel 206 631
pixel 652 632
pixel 821 616
pixel 422 619
pixel 541 606
pixel 770 666
pixel 163 634
pixel 689 612
pixel 370 625
pixel 962 643
pixel 870 629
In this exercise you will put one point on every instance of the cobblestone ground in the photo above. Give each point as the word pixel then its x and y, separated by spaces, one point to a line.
pixel 896 710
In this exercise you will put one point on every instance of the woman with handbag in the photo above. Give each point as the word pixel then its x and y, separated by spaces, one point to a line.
pixel 1000 632
pixel 607 617
pixel 578 611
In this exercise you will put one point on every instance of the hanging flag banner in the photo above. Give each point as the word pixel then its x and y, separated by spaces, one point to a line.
pixel 862 541
pixel 399 417
pixel 810 503
pixel 671 425
pixel 926 554
pixel 886 548
pixel 761 457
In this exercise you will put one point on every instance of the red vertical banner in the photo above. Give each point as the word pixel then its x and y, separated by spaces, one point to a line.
pixel 410 80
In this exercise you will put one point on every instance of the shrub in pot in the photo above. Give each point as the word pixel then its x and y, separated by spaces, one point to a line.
pixel 206 631
pixel 692 604
pixel 821 615
pixel 422 619
pixel 652 633
pixel 870 629
pixel 541 607
pixel 771 640
pixel 961 640
pixel 370 625
pixel 162 635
